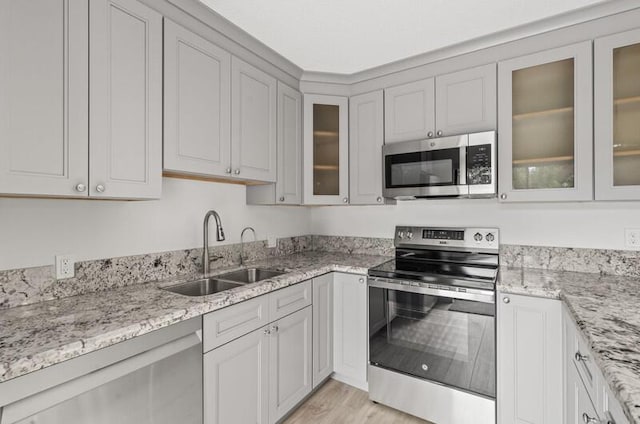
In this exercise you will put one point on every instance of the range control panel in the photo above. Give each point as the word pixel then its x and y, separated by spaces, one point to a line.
pixel 470 238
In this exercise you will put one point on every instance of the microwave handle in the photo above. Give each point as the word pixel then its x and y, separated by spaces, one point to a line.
pixel 462 177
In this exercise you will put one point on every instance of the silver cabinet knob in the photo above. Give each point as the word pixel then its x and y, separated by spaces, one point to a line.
pixel 228 170
pixel 274 329
pixel 503 196
pixel 506 299
pixel 237 171
pixel 282 198
pixel 379 200
pixel 81 188
pixel 430 134
pixel 345 200
pixel 439 133
pixel 100 188
pixel 266 331
pixel 580 357
pixel 589 420
pixel 361 280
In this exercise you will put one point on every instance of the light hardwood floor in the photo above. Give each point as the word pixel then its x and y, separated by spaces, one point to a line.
pixel 338 403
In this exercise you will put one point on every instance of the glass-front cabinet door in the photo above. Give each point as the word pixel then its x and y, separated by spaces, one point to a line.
pixel 617 113
pixel 326 150
pixel 545 126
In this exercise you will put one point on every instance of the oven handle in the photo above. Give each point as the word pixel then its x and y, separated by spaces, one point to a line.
pixel 474 295
pixel 463 166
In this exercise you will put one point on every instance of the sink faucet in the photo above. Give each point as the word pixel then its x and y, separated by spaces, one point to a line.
pixel 242 242
pixel 219 237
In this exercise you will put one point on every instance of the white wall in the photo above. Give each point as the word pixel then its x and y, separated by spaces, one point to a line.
pixel 33 231
pixel 590 225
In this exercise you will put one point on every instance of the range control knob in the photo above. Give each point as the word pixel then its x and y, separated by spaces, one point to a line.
pixel 490 237
pixel 401 234
pixel 477 237
pixel 409 235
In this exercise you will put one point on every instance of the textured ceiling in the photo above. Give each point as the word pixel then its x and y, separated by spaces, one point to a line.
pixel 346 36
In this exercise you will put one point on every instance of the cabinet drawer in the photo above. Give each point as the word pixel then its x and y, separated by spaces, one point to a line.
pixel 222 326
pixel 285 301
pixel 583 361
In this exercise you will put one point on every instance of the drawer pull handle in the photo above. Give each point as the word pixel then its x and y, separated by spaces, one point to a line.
pixel 580 357
pixel 589 420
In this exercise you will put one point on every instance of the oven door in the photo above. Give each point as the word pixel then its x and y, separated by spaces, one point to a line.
pixel 426 168
pixel 434 336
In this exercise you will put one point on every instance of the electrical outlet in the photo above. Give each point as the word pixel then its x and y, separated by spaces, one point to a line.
pixel 65 267
pixel 632 238
pixel 271 241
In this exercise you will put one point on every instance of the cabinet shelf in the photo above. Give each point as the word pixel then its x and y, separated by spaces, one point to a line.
pixel 320 133
pixel 626 100
pixel 326 167
pixel 623 153
pixel 542 161
pixel 541 113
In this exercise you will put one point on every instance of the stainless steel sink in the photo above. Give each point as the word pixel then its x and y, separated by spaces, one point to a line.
pixel 250 275
pixel 202 287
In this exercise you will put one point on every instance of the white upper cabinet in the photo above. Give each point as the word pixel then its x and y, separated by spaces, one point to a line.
pixel 366 137
pixel 326 150
pixel 253 123
pixel 466 101
pixel 43 98
pixel 617 116
pixel 545 126
pixel 410 111
pixel 197 98
pixel 125 100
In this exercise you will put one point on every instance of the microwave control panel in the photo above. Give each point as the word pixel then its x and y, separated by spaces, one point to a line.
pixel 479 164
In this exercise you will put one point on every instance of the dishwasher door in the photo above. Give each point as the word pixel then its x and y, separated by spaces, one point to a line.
pixel 160 386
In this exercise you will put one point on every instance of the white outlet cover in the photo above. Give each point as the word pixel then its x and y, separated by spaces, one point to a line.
pixel 632 238
pixel 65 267
pixel 271 241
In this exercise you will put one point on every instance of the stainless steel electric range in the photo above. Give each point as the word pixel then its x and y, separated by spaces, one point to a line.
pixel 432 349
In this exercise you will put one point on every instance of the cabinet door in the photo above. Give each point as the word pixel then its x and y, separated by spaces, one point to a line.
pixel 580 408
pixel 466 101
pixel 253 122
pixel 125 98
pixel 409 111
pixel 545 126
pixel 350 329
pixel 617 112
pixel 529 359
pixel 197 103
pixel 290 363
pixel 43 97
pixel 236 378
pixel 322 328
pixel 326 150
pixel 289 185
pixel 366 137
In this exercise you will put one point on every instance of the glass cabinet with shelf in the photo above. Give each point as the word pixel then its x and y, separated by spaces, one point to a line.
pixel 326 150
pixel 617 112
pixel 544 124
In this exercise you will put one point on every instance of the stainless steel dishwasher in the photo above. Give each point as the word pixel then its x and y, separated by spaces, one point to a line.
pixel 152 379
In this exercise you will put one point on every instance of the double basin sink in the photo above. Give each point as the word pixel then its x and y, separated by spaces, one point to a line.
pixel 219 283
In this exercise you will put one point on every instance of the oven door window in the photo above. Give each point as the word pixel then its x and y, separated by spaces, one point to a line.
pixel 448 341
pixel 423 169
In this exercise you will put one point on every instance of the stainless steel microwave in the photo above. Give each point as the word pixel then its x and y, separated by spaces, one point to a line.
pixel 456 166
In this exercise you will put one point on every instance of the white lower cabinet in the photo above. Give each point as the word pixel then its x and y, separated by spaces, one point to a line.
pixel 580 408
pixel 322 328
pixel 350 329
pixel 529 360
pixel 289 362
pixel 236 381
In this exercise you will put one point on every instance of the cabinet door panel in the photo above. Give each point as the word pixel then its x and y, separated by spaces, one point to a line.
pixel 197 99
pixel 291 356
pixel 545 123
pixel 578 400
pixel 617 113
pixel 350 329
pixel 43 97
pixel 236 381
pixel 322 328
pixel 289 185
pixel 409 111
pixel 529 359
pixel 125 100
pixel 366 137
pixel 253 134
pixel 466 101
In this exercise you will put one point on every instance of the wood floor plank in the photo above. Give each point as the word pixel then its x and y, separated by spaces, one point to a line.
pixel 338 403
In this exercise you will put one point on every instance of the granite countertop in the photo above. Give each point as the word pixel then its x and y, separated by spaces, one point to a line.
pixel 606 309
pixel 36 336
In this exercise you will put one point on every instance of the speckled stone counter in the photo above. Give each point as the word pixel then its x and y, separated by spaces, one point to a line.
pixel 606 309
pixel 39 335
